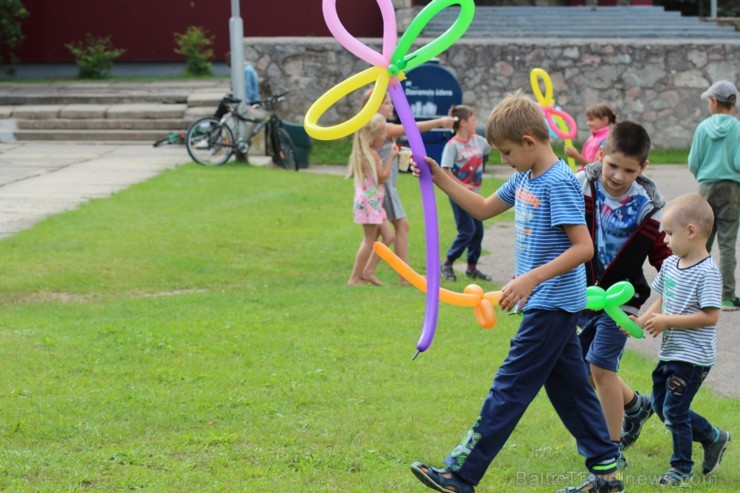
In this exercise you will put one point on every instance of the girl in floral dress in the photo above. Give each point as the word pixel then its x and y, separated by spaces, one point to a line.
pixel 369 173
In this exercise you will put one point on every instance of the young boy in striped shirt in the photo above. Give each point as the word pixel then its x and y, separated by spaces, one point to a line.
pixel 686 313
pixel 552 243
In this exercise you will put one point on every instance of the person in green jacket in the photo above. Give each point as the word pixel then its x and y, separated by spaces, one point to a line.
pixel 714 160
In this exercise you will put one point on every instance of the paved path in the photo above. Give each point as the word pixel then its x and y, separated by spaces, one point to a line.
pixel 38 179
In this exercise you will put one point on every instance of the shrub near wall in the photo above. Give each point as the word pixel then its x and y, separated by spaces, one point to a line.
pixel 657 83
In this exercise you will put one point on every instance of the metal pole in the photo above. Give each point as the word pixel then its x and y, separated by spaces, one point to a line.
pixel 236 40
pixel 713 9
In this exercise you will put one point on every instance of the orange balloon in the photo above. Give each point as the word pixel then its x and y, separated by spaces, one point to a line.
pixel 472 296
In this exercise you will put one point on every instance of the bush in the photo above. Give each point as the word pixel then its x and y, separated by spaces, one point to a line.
pixel 11 14
pixel 194 44
pixel 94 56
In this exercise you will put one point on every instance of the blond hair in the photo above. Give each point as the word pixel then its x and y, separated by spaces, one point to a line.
pixel 693 209
pixel 514 117
pixel 361 161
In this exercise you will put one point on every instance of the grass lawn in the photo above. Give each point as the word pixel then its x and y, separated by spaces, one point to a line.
pixel 337 152
pixel 194 333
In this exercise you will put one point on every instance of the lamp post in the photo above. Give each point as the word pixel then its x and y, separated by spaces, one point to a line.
pixel 236 43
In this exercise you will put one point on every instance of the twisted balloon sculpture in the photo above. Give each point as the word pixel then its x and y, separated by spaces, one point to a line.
pixel 560 122
pixel 388 68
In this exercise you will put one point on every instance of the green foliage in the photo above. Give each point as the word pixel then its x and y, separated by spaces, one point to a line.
pixel 194 333
pixel 194 44
pixel 11 35
pixel 94 56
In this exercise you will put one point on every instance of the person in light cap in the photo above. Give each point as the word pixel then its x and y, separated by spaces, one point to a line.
pixel 714 160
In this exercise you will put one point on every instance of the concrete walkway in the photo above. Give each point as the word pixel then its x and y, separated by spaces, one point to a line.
pixel 38 179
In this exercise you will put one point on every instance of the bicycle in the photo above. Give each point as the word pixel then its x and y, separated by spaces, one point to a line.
pixel 175 138
pixel 210 141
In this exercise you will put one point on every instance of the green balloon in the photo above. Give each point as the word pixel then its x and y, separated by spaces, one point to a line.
pixel 610 301
pixel 429 51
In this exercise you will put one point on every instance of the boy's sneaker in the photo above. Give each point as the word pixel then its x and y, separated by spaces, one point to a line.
pixel 447 273
pixel 442 480
pixel 713 452
pixel 632 423
pixel 731 305
pixel 674 477
pixel 595 484
pixel 476 274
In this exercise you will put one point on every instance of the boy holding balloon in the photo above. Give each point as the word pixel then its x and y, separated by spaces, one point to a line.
pixel 552 244
pixel 623 215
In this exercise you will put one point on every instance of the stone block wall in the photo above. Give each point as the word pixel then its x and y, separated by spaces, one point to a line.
pixel 656 82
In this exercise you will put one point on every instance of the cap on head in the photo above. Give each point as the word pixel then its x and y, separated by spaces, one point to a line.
pixel 723 91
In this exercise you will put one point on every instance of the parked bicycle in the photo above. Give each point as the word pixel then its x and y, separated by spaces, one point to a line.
pixel 175 138
pixel 210 141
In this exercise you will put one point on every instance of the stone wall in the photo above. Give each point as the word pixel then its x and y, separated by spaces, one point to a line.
pixel 657 82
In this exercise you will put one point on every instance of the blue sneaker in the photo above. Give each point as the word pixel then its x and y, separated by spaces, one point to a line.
pixel 442 480
pixel 632 423
pixel 713 452
pixel 674 477
pixel 595 484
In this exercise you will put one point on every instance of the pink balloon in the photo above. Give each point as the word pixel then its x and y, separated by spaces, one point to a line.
pixel 352 44
pixel 572 129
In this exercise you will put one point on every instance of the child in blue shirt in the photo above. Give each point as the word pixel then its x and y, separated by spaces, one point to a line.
pixel 552 243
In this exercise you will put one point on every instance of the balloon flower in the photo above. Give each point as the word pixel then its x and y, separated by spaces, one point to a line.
pixel 560 122
pixel 472 296
pixel 610 300
pixel 387 70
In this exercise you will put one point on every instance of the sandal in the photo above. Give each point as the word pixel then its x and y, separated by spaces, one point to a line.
pixel 442 480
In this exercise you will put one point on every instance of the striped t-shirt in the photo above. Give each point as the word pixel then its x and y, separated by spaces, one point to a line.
pixel 542 206
pixel 687 291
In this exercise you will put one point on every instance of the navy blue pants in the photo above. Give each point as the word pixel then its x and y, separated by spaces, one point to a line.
pixel 469 235
pixel 545 351
pixel 675 383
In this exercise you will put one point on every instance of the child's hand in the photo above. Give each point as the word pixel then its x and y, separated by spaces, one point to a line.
pixel 635 319
pixel 516 292
pixel 395 149
pixel 447 121
pixel 433 167
pixel 656 323
pixel 571 152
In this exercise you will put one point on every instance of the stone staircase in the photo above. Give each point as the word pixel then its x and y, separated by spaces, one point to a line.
pixel 105 111
pixel 628 22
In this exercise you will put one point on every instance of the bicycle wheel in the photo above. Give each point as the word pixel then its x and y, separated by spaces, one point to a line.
pixel 208 142
pixel 285 150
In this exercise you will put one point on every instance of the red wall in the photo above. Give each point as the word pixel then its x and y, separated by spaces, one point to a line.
pixel 145 28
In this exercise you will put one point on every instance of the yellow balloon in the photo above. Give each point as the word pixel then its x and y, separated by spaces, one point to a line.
pixel 544 99
pixel 568 143
pixel 320 106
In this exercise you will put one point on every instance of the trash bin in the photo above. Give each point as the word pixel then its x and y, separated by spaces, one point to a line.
pixel 301 141
pixel 431 90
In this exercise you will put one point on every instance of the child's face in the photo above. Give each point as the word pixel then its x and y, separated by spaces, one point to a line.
pixel 594 123
pixel 517 155
pixel 679 238
pixel 619 172
pixel 386 108
pixel 469 123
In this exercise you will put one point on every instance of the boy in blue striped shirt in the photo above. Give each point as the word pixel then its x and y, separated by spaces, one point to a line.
pixel 552 243
pixel 686 313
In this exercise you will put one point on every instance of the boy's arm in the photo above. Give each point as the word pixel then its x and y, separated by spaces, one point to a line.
pixel 659 251
pixel 695 153
pixel 480 207
pixel 581 250
pixel 394 130
pixel 657 323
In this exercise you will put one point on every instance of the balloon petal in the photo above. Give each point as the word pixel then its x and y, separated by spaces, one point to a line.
pixel 438 45
pixel 544 99
pixel 484 314
pixel 329 98
pixel 361 50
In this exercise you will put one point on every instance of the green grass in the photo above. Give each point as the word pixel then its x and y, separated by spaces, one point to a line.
pixel 195 334
pixel 337 152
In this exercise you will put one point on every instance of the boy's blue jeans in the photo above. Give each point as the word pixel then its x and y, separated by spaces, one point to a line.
pixel 675 384
pixel 545 351
pixel 469 235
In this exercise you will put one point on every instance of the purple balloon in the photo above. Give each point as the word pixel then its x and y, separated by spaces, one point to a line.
pixel 429 205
